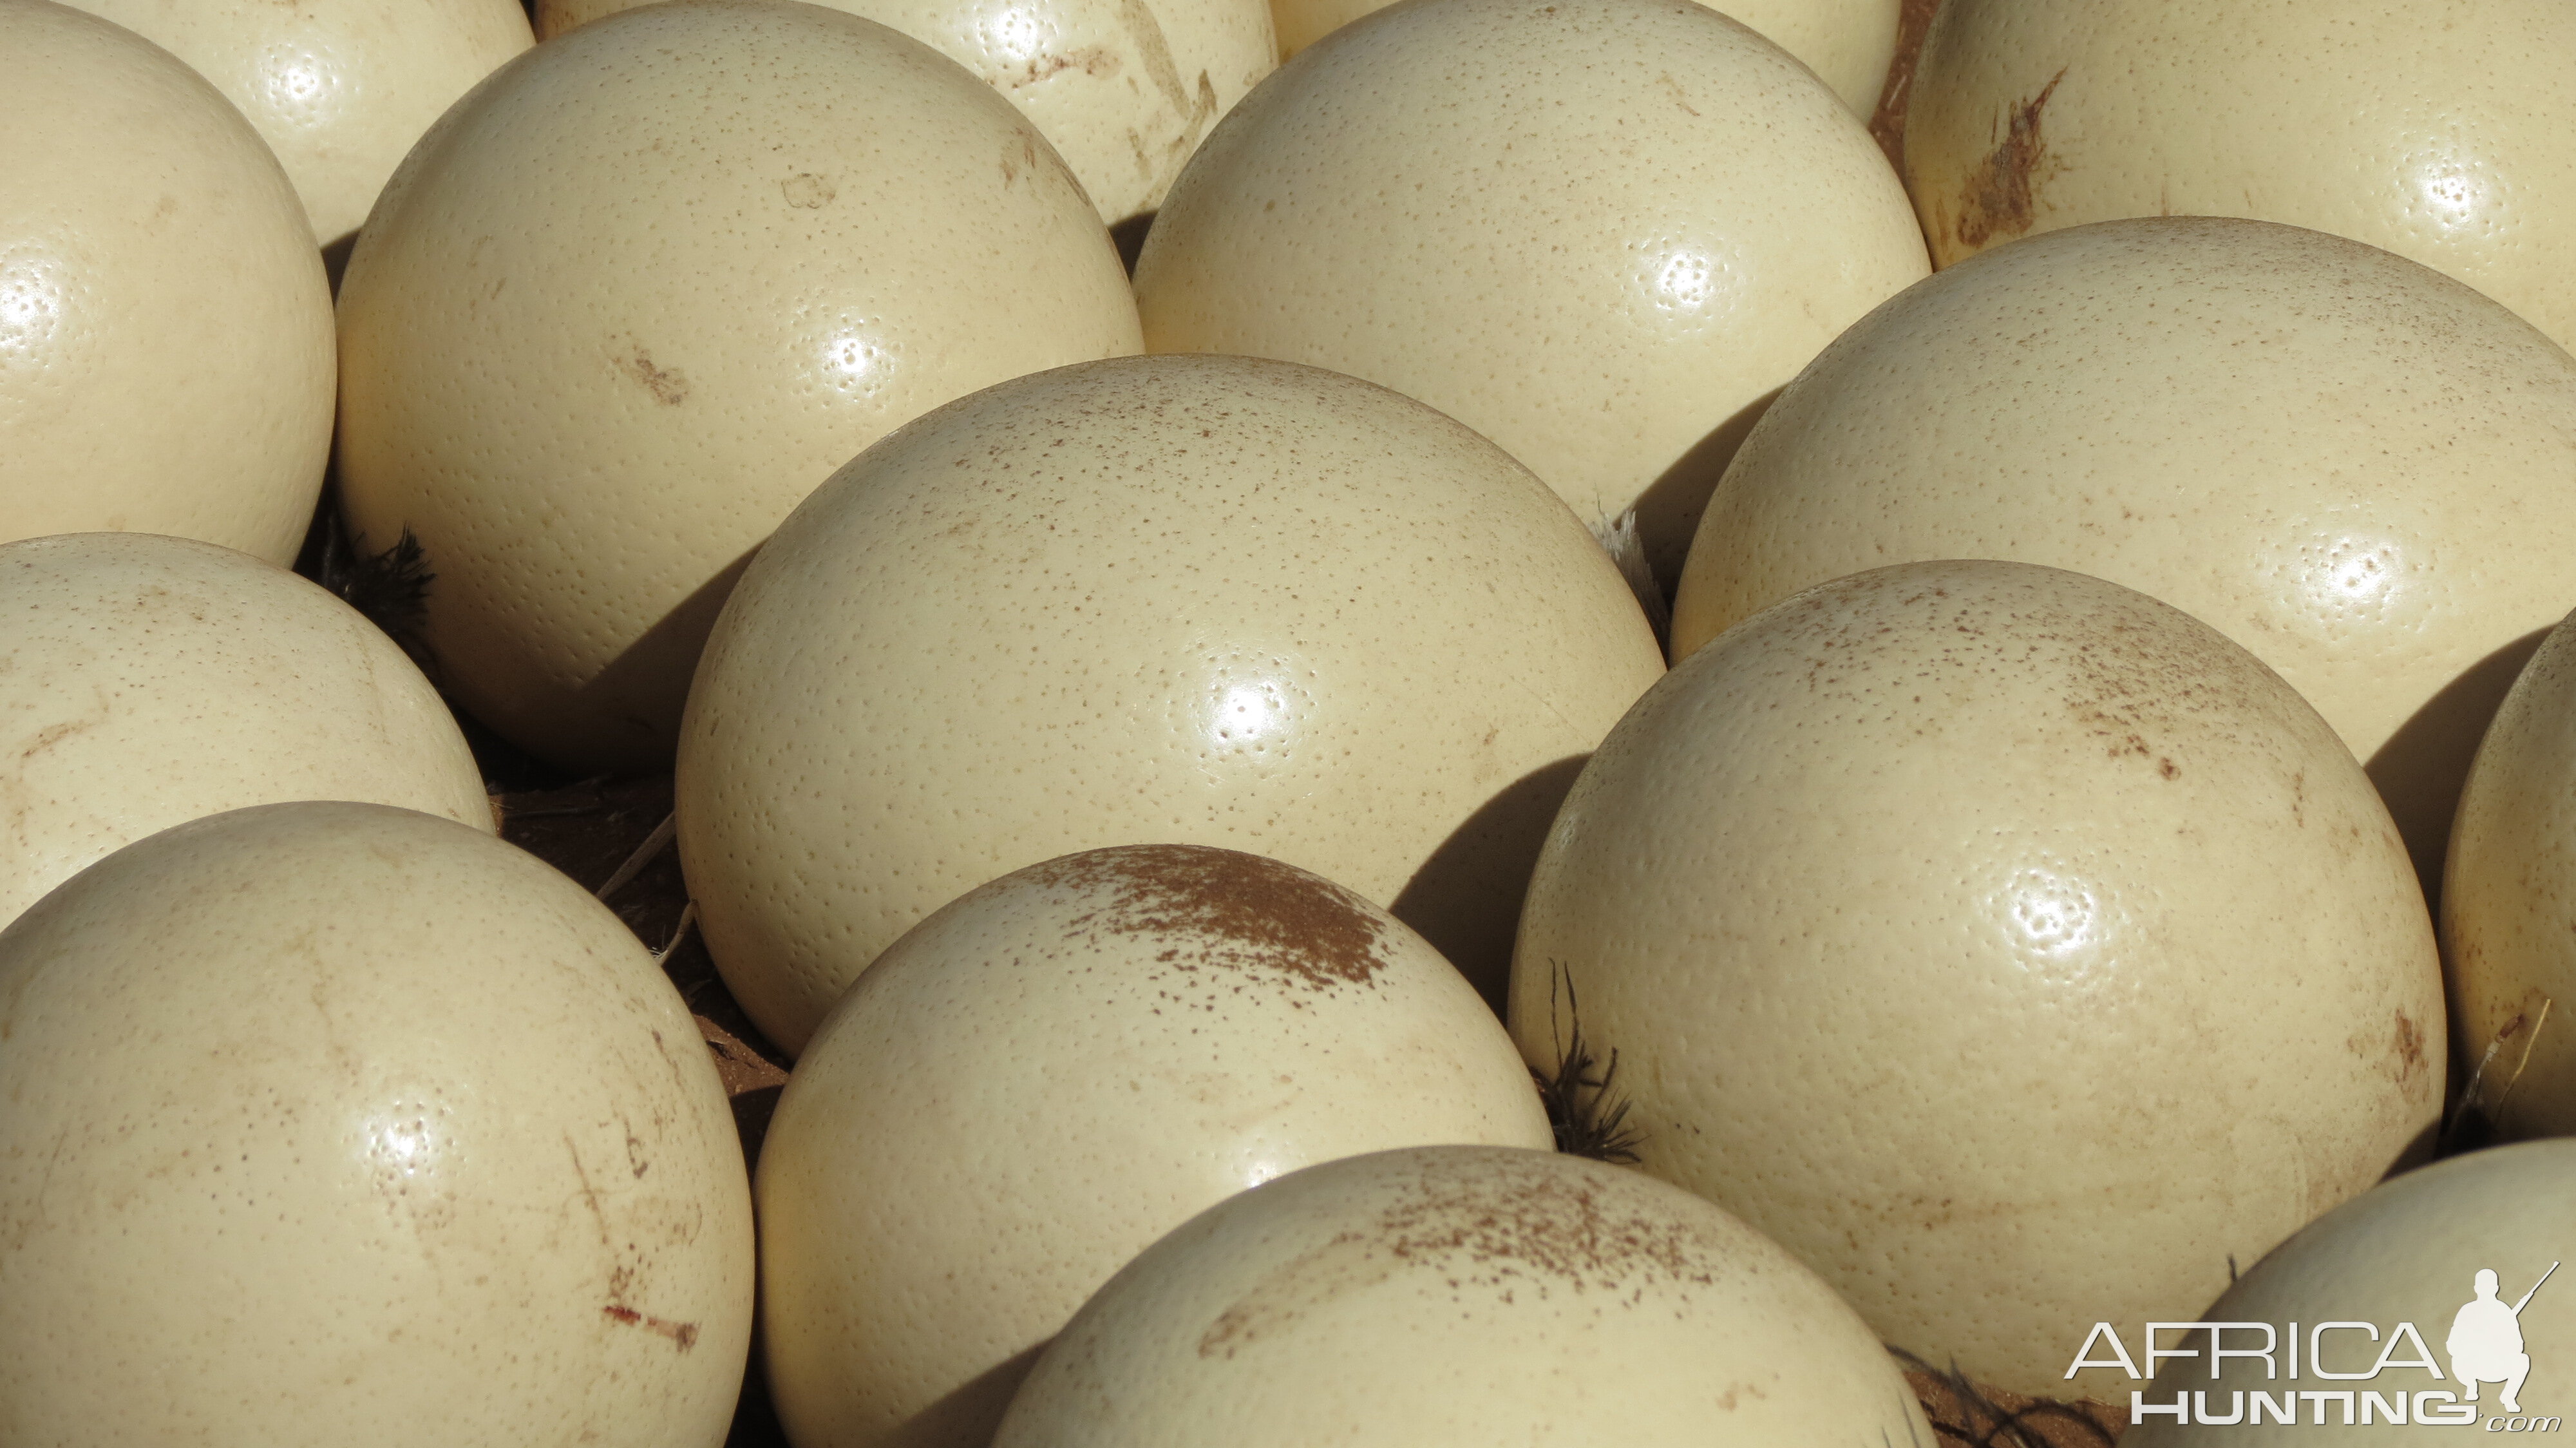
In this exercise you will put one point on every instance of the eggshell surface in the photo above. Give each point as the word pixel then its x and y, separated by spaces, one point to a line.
pixel 335 1123
pixel 1048 1074
pixel 1847 43
pixel 2355 467
pixel 1600 232
pixel 2010 945
pixel 147 681
pixel 1184 600
pixel 2405 1254
pixel 2447 136
pixel 2505 904
pixel 1125 91
pixel 340 89
pixel 166 362
pixel 1463 1294
pixel 643 291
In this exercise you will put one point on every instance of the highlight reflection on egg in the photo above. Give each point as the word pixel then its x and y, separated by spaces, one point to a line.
pixel 1210 600
pixel 166 354
pixel 2445 143
pixel 2349 463
pixel 2022 863
pixel 379 1130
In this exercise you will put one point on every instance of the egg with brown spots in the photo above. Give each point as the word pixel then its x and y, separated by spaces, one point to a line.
pixel 1462 1294
pixel 148 681
pixel 1037 1081
pixel 336 1123
pixel 640 293
pixel 2446 134
pixel 1195 600
pixel 1124 89
pixel 2011 946
pixel 2506 898
pixel 1600 232
pixel 2350 464
pixel 166 363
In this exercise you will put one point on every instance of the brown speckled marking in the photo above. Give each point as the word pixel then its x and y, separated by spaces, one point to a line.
pixel 1498 1231
pixel 666 384
pixel 1096 61
pixel 683 1333
pixel 2410 1046
pixel 1283 918
pixel 1996 199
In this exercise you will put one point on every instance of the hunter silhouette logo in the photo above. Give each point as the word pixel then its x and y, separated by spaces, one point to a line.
pixel 2282 1371
pixel 2486 1342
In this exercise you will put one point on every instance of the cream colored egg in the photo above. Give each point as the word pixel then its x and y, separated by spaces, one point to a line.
pixel 2507 894
pixel 1600 232
pixel 2387 1297
pixel 2447 136
pixel 147 681
pixel 1463 1295
pixel 1046 1075
pixel 1191 600
pixel 2360 470
pixel 1124 89
pixel 638 295
pixel 166 361
pixel 2010 945
pixel 1847 43
pixel 338 88
pixel 335 1123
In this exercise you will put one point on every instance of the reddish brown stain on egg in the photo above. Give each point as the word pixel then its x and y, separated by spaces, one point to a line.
pixel 668 387
pixel 2409 1047
pixel 1997 197
pixel 685 1334
pixel 1276 916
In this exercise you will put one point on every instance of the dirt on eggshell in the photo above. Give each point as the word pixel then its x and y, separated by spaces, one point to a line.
pixel 591 828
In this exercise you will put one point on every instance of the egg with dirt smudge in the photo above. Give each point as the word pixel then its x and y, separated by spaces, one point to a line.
pixel 2009 944
pixel 1463 1294
pixel 642 291
pixel 336 1123
pixel 2350 464
pixel 2447 135
pixel 1037 1081
pixel 147 681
